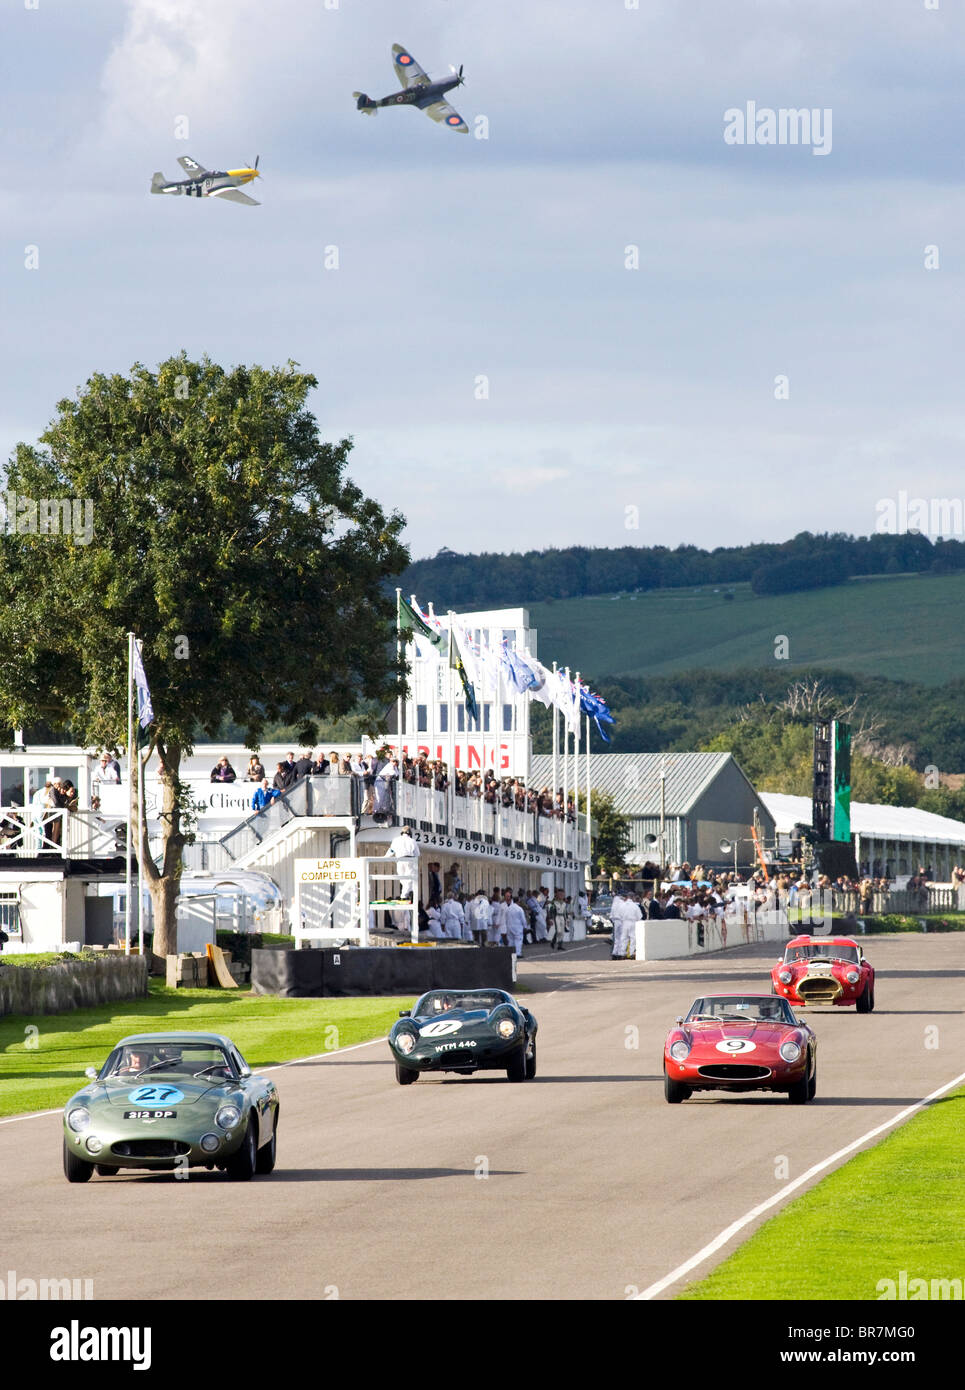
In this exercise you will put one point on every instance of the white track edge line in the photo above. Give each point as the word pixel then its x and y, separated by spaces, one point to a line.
pixel 735 1226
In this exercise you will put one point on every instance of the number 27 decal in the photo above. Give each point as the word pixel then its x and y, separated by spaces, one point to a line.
pixel 155 1095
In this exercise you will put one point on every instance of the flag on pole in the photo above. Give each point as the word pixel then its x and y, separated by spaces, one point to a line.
pixel 145 709
pixel 541 690
pixel 597 709
pixel 567 700
pixel 413 621
pixel 459 666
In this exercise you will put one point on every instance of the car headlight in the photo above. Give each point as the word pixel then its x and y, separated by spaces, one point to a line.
pixel 680 1050
pixel 210 1143
pixel 78 1119
pixel 505 1027
pixel 227 1117
pixel 853 977
pixel 785 977
pixel 405 1042
pixel 790 1051
pixel 94 1145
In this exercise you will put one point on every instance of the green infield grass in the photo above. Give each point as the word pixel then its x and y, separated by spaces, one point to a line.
pixel 42 1059
pixel 897 1207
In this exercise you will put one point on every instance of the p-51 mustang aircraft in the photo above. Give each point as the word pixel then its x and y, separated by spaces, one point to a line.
pixel 209 183
pixel 418 91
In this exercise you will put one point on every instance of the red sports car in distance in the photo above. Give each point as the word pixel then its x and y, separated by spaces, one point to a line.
pixel 825 970
pixel 740 1042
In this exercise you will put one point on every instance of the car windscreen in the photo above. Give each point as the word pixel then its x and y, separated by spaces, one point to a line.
pixel 821 950
pixel 168 1059
pixel 443 1001
pixel 739 1009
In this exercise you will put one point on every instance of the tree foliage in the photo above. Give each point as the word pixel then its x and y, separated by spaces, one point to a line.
pixel 613 841
pixel 228 537
pixel 806 560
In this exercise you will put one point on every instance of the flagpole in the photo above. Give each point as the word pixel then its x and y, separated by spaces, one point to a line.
pixel 130 794
pixel 566 763
pixel 140 856
pixel 554 785
pixel 398 652
pixel 450 793
pixel 576 771
pixel 588 798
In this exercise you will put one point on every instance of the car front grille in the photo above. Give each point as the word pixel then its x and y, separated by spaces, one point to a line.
pixel 463 1057
pixel 150 1148
pixel 728 1071
pixel 819 989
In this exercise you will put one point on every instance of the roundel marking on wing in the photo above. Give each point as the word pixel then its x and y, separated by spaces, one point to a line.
pixel 734 1045
pixel 403 58
pixel 455 120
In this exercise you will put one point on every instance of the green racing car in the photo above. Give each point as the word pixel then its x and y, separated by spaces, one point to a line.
pixel 464 1030
pixel 172 1101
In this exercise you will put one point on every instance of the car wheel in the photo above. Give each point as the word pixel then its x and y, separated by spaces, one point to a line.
pixel 241 1165
pixel 675 1091
pixel 802 1091
pixel 516 1068
pixel 265 1161
pixel 105 1170
pixel 75 1169
pixel 872 1005
pixel 865 1001
pixel 531 1064
pixel 405 1075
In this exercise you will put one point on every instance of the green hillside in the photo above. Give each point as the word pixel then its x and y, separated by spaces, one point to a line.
pixel 908 627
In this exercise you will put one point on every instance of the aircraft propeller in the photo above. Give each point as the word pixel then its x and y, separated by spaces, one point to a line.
pixel 457 74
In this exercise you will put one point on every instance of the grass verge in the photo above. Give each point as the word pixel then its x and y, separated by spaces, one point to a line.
pixel 898 1206
pixel 40 1070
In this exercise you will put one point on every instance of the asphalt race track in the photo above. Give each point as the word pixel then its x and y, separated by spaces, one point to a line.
pixel 583 1183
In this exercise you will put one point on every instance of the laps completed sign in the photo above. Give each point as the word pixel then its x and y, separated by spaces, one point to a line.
pixel 328 870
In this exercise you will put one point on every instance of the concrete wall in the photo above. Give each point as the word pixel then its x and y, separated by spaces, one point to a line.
pixel 667 940
pixel 66 985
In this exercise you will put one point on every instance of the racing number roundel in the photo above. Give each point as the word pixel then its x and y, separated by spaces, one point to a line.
pixel 440 1027
pixel 735 1045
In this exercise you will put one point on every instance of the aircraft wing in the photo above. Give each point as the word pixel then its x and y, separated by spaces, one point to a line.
pixel 442 111
pixel 191 166
pixel 234 195
pixel 407 69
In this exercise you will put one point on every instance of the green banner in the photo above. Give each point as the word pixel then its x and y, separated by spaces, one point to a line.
pixel 841 773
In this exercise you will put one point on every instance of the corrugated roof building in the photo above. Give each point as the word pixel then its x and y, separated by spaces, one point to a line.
pixel 705 798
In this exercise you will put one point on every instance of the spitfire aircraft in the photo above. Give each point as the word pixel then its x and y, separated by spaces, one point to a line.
pixel 209 183
pixel 418 91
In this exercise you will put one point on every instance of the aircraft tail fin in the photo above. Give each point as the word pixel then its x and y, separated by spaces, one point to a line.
pixel 364 103
pixel 158 182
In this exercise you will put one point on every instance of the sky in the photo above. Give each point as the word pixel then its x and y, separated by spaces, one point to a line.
pixel 602 324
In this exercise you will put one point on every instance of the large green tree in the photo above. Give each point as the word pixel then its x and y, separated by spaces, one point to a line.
pixel 228 537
